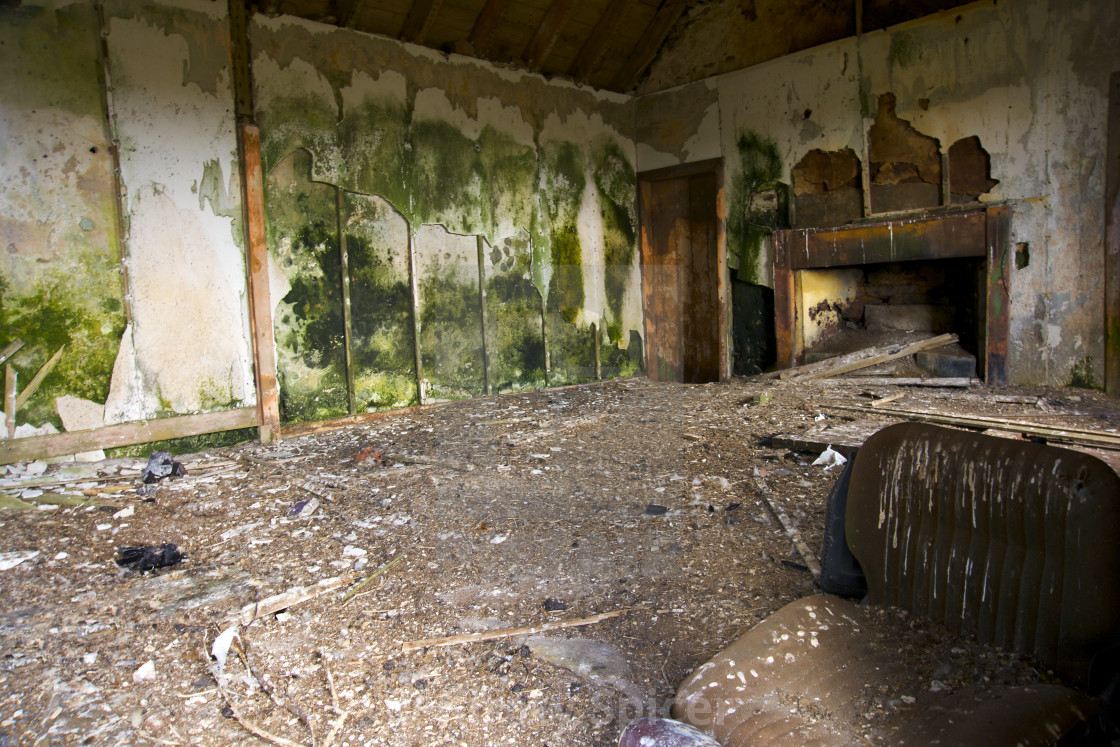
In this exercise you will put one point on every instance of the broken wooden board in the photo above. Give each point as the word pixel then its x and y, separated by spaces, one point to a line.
pixel 1066 435
pixel 865 358
pixel 845 438
pixel 955 383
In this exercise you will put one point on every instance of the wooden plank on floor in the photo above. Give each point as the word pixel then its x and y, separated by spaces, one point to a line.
pixel 842 437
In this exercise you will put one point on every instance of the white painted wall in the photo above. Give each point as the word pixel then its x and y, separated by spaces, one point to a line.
pixel 188 346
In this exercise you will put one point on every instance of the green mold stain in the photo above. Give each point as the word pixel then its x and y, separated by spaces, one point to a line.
pixel 213 395
pixel 445 178
pixel 451 337
pixel 1081 375
pixel 760 166
pixel 48 51
pixel 614 177
pixel 616 361
pixel 301 121
pixel 185 445
pixel 903 51
pixel 310 342
pixel 564 182
pixel 509 173
pixel 46 320
pixel 513 305
pixel 373 150
pixel 380 317
pixel 315 300
pixel 572 351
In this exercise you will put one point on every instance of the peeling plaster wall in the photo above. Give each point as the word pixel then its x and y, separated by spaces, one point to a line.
pixel 678 126
pixel 59 253
pixel 187 349
pixel 457 149
pixel 1029 78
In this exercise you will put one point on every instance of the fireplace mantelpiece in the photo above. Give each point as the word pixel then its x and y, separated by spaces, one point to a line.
pixel 968 233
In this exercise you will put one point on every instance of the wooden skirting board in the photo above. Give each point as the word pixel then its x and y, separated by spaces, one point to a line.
pixel 126 434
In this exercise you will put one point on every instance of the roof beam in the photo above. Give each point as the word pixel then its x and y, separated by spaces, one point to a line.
pixel 485 24
pixel 592 51
pixel 653 37
pixel 548 32
pixel 347 11
pixel 419 20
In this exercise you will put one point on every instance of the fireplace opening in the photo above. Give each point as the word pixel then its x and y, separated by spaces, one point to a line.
pixel 851 308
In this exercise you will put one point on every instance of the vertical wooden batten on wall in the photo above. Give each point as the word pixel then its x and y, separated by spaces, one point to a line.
pixel 115 154
pixel 481 243
pixel 785 308
pixel 997 332
pixel 1112 243
pixel 723 292
pixel 260 305
pixel 256 241
pixel 347 324
pixel 414 306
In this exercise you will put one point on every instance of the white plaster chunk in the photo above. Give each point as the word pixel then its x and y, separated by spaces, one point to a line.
pixel 79 414
pixel 127 400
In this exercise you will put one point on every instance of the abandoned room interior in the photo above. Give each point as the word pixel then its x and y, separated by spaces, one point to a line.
pixel 560 372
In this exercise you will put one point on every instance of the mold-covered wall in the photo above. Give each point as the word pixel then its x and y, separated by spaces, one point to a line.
pixel 141 277
pixel 60 282
pixel 1027 79
pixel 481 221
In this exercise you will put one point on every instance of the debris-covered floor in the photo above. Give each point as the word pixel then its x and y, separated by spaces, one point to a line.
pixel 630 497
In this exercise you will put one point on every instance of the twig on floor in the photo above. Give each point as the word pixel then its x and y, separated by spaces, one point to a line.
pixel 290 598
pixel 791 530
pixel 249 726
pixel 361 584
pixel 489 635
pixel 157 740
pixel 342 715
pixel 270 691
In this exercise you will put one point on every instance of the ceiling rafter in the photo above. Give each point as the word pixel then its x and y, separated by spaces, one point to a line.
pixel 347 12
pixel 592 51
pixel 419 20
pixel 652 38
pixel 488 20
pixel 547 33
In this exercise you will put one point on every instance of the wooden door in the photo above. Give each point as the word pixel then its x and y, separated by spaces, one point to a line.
pixel 681 290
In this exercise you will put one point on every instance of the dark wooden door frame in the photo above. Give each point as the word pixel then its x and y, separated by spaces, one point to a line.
pixel 1112 243
pixel 714 166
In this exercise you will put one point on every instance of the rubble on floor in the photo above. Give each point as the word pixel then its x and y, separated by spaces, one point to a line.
pixel 525 512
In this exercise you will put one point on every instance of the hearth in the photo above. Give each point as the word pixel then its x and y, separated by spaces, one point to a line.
pixel 930 273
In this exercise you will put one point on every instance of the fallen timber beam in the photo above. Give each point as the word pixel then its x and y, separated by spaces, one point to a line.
pixel 976 422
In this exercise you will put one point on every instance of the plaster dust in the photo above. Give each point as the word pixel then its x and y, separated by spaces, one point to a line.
pixel 493 507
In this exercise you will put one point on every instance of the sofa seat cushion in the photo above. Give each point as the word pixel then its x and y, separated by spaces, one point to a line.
pixel 824 671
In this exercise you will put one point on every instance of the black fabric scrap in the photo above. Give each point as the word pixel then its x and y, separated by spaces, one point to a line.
pixel 148 557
